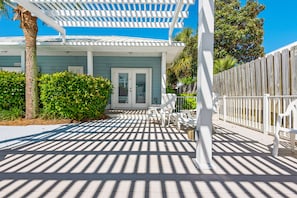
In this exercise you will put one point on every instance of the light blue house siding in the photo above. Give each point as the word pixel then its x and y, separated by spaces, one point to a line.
pixel 103 65
pixel 9 61
pixel 48 64
pixel 53 64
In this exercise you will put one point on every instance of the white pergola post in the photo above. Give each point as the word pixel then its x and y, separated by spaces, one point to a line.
pixel 90 63
pixel 163 75
pixel 205 80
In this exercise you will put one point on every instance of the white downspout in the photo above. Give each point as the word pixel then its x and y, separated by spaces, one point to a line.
pixel 90 63
pixel 23 61
pixel 163 75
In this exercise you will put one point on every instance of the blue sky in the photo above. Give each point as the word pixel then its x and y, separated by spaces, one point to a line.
pixel 280 26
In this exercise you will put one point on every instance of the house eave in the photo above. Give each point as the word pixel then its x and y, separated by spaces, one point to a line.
pixel 98 44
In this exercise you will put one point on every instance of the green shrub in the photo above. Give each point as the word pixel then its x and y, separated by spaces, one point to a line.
pixel 170 90
pixel 188 80
pixel 11 114
pixel 12 90
pixel 190 102
pixel 68 95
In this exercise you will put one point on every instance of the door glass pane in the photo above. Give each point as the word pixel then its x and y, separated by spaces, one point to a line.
pixel 123 88
pixel 140 88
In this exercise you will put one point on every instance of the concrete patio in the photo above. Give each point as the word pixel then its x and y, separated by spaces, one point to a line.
pixel 129 156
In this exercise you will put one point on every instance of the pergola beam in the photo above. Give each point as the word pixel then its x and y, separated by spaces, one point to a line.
pixel 175 18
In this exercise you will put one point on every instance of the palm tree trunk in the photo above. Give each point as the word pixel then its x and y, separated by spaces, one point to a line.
pixel 30 29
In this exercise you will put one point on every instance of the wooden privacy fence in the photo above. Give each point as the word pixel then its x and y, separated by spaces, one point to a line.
pixel 275 74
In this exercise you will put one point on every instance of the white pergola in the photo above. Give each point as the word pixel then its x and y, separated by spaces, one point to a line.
pixel 144 14
pixel 110 13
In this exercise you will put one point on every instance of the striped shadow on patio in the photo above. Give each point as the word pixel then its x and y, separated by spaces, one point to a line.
pixel 129 156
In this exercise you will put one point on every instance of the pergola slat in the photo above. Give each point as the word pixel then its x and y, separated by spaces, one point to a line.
pixel 86 23
pixel 102 13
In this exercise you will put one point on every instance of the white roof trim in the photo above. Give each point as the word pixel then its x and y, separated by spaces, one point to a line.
pixel 99 45
pixel 93 41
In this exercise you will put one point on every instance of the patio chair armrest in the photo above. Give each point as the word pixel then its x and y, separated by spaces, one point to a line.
pixel 281 115
pixel 166 110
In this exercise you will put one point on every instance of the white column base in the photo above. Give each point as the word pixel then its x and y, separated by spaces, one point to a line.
pixel 203 166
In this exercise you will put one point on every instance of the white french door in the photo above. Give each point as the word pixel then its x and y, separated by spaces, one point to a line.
pixel 131 88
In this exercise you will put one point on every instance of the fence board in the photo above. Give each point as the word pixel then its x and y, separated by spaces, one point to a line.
pixel 264 76
pixel 227 90
pixel 233 85
pixel 277 74
pixel 243 80
pixel 215 83
pixel 270 76
pixel 219 83
pixel 222 84
pixel 239 82
pixel 253 78
pixel 258 77
pixel 230 86
pixel 285 72
pixel 248 79
pixel 294 70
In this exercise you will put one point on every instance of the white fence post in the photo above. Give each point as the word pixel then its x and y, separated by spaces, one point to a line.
pixel 265 113
pixel 224 108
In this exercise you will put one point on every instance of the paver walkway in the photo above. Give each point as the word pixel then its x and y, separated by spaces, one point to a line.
pixel 128 156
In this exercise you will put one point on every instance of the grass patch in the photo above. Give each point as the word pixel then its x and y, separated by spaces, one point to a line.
pixel 11 114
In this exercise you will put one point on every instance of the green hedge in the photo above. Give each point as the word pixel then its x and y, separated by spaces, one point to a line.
pixel 12 90
pixel 68 95
pixel 190 103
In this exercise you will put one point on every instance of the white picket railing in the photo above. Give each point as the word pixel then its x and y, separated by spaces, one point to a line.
pixel 256 112
pixel 185 103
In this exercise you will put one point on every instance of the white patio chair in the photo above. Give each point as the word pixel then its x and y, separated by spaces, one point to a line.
pixel 291 113
pixel 168 107
pixel 164 111
pixel 186 118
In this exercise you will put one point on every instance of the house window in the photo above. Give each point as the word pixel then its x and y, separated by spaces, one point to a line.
pixel 76 69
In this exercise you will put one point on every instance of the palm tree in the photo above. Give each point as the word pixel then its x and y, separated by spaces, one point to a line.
pixel 185 66
pixel 28 23
pixel 224 64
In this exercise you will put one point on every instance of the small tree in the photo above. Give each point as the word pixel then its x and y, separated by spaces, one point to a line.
pixel 238 30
